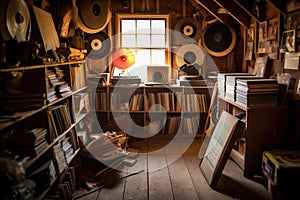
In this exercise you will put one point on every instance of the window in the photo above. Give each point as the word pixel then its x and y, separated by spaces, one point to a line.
pixel 147 38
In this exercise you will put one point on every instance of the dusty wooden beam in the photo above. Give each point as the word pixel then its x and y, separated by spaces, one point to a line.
pixel 247 6
pixel 235 11
pixel 211 7
pixel 183 8
pixel 157 6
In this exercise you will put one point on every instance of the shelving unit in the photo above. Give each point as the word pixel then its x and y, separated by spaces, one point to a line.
pixel 54 116
pixel 265 130
pixel 147 104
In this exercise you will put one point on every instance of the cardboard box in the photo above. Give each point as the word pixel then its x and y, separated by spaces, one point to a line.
pixel 281 173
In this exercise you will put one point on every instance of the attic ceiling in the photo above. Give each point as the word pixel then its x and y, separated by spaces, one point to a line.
pixel 240 10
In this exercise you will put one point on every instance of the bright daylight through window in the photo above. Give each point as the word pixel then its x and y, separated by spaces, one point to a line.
pixel 147 39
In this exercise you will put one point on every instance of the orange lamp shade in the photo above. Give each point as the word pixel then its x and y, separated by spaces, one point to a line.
pixel 123 58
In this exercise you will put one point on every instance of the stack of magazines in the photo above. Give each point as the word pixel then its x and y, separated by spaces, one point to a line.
pixel 257 92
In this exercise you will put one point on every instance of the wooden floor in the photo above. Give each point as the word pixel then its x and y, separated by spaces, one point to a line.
pixel 181 179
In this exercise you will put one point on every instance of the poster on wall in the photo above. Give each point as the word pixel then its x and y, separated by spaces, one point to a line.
pixel 250 44
pixel 288 41
pixel 292 22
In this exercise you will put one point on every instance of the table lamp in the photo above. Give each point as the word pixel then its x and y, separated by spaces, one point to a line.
pixel 122 59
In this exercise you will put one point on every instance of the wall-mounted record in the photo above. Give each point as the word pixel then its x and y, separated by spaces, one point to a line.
pixel 218 39
pixel 189 29
pixel 15 22
pixel 98 45
pixel 190 54
pixel 94 15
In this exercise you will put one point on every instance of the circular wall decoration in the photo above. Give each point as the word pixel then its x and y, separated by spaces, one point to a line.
pixel 15 20
pixel 190 54
pixel 94 15
pixel 98 45
pixel 189 29
pixel 218 39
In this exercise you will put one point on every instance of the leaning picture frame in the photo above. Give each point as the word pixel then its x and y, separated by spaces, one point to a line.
pixel 226 132
pixel 260 66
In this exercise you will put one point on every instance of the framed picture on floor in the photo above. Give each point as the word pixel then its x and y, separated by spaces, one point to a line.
pixel 226 132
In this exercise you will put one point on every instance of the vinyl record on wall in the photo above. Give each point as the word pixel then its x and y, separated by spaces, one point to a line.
pixel 189 28
pixel 98 45
pixel 190 54
pixel 94 15
pixel 15 21
pixel 218 39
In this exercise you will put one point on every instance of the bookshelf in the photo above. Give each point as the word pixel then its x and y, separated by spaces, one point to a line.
pixel 265 130
pixel 149 106
pixel 41 107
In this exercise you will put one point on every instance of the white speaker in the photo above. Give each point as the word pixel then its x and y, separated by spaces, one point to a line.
pixel 158 74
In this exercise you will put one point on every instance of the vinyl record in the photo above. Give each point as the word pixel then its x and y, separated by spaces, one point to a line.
pixel 189 28
pixel 291 157
pixel 218 39
pixel 15 21
pixel 94 15
pixel 98 45
pixel 190 54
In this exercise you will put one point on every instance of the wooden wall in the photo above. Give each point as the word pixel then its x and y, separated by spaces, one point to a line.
pixel 233 62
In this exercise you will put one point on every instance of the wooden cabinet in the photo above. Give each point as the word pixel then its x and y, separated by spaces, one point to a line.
pixel 265 130
pixel 39 115
pixel 178 109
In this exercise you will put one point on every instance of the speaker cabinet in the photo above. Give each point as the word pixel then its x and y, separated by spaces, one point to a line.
pixel 218 39
pixel 158 74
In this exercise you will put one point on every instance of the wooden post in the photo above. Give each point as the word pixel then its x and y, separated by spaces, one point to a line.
pixel 183 8
pixel 131 6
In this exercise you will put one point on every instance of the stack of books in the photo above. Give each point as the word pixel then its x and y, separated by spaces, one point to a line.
pixel 43 177
pixel 257 92
pixel 231 84
pixel 23 102
pixel 28 143
pixel 221 78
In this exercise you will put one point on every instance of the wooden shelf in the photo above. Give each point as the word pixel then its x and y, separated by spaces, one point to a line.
pixel 141 114
pixel 36 81
pixel 265 130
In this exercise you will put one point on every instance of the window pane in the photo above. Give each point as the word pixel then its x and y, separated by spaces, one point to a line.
pixel 158 41
pixel 143 40
pixel 158 57
pixel 142 58
pixel 128 41
pixel 158 26
pixel 128 26
pixel 143 26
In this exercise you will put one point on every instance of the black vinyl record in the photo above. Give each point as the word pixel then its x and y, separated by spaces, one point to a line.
pixel 189 28
pixel 98 45
pixel 218 39
pixel 94 15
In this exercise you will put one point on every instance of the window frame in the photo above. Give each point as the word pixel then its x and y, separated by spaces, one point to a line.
pixel 166 17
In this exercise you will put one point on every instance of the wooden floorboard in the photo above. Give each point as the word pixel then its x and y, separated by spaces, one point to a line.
pixel 137 185
pixel 204 191
pixel 159 178
pixel 160 174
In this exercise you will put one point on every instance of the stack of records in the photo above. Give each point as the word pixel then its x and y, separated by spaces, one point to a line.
pixel 221 78
pixel 257 92
pixel 231 84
